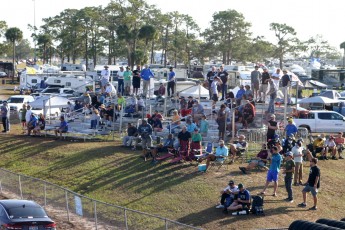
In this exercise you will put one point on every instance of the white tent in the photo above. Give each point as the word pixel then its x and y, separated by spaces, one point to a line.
pixel 195 91
pixel 318 99
pixel 49 101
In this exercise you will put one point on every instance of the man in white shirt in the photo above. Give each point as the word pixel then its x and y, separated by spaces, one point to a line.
pixel 120 80
pixel 276 78
pixel 228 195
pixel 105 75
pixel 28 113
pixel 110 90
pixel 297 152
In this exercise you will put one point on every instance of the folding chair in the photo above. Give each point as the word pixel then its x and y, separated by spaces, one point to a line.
pixel 220 162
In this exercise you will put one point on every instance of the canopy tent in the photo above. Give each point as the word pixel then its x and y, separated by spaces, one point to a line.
pixel 49 101
pixel 318 84
pixel 318 99
pixel 195 91
pixel 308 85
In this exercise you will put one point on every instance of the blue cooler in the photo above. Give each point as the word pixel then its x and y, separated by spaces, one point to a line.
pixel 202 167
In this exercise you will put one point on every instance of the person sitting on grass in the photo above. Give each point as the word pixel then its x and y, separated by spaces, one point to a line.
pixel 260 160
pixel 330 147
pixel 63 128
pixel 228 195
pixel 32 123
pixel 221 152
pixel 318 147
pixel 243 200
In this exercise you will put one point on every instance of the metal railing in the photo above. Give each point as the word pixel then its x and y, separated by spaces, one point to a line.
pixel 103 215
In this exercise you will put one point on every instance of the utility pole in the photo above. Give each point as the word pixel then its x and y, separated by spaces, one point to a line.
pixel 34 30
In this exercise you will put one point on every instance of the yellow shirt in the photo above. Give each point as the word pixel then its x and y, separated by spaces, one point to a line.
pixel 318 143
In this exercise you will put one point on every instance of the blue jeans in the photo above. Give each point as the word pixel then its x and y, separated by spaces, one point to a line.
pixel 121 86
pixel 93 124
pixel 224 91
pixel 288 186
pixel 273 96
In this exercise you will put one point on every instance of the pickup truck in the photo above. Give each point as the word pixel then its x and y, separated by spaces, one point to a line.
pixel 322 121
pixel 63 92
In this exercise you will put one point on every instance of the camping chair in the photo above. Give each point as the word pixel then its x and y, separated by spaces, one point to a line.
pixel 219 162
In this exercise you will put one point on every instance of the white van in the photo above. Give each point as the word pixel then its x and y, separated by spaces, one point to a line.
pixel 16 102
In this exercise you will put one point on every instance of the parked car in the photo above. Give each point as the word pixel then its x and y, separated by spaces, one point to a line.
pixel 63 92
pixel 16 102
pixel 24 214
pixel 321 121
pixel 3 74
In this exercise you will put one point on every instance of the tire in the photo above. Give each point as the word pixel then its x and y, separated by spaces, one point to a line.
pixel 332 223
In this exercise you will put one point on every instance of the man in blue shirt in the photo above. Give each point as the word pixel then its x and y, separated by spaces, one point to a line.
pixel 63 128
pixel 239 95
pixel 221 152
pixel 290 128
pixel 273 172
pixel 146 74
pixel 171 81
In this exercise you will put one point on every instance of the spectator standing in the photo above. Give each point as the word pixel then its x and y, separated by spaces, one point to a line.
pixel 289 171
pixel 221 121
pixel 210 77
pixel 223 75
pixel 273 95
pixel 272 126
pixel 127 78
pixel 276 79
pixel 273 172
pixel 291 128
pixel 184 138
pixel 340 141
pixel 297 152
pixel 255 78
pixel 105 75
pixel 22 117
pixel 214 87
pixel 265 77
pixel 171 82
pixel 5 117
pixel 120 81
pixel 146 74
pixel 312 185
pixel 136 80
pixel 95 118
pixel 145 132
pixel 203 126
pixel 285 84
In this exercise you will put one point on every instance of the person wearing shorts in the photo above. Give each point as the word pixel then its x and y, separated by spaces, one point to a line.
pixel 273 172
pixel 312 185
pixel 260 160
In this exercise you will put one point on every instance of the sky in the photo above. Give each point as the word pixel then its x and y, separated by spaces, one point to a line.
pixel 307 17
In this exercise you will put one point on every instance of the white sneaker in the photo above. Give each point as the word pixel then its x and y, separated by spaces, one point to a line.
pixel 220 206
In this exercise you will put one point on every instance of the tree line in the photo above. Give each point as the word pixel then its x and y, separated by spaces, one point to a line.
pixel 134 30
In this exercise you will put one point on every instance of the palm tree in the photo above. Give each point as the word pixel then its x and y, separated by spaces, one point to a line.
pixel 342 46
pixel 13 35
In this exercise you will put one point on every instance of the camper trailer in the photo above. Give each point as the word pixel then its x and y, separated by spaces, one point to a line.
pixel 74 81
pixel 236 78
pixel 28 81
pixel 73 67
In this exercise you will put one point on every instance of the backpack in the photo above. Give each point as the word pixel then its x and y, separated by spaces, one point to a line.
pixel 257 205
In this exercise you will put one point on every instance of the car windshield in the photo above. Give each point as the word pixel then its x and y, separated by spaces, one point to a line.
pixel 15 100
pixel 26 212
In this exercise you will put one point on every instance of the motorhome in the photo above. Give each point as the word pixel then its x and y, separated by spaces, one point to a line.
pixel 28 81
pixel 237 78
pixel 75 81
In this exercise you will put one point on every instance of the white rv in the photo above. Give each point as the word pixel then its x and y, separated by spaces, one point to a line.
pixel 28 81
pixel 73 81
pixel 73 67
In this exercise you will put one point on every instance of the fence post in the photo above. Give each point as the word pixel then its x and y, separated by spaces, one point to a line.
pixel 45 194
pixel 0 187
pixel 95 210
pixel 67 206
pixel 20 187
pixel 166 223
pixel 126 221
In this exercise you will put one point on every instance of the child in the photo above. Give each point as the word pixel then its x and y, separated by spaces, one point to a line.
pixel 95 118
pixel 203 126
pixel 289 170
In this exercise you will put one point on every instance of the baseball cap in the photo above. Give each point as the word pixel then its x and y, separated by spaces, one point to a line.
pixel 289 154
pixel 231 182
pixel 240 186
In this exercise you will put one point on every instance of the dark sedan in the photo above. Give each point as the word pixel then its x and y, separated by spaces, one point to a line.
pixel 25 215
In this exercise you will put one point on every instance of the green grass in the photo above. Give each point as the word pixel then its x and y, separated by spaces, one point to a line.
pixel 103 171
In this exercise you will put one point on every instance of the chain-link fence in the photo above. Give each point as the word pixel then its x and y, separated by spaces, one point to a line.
pixel 72 205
